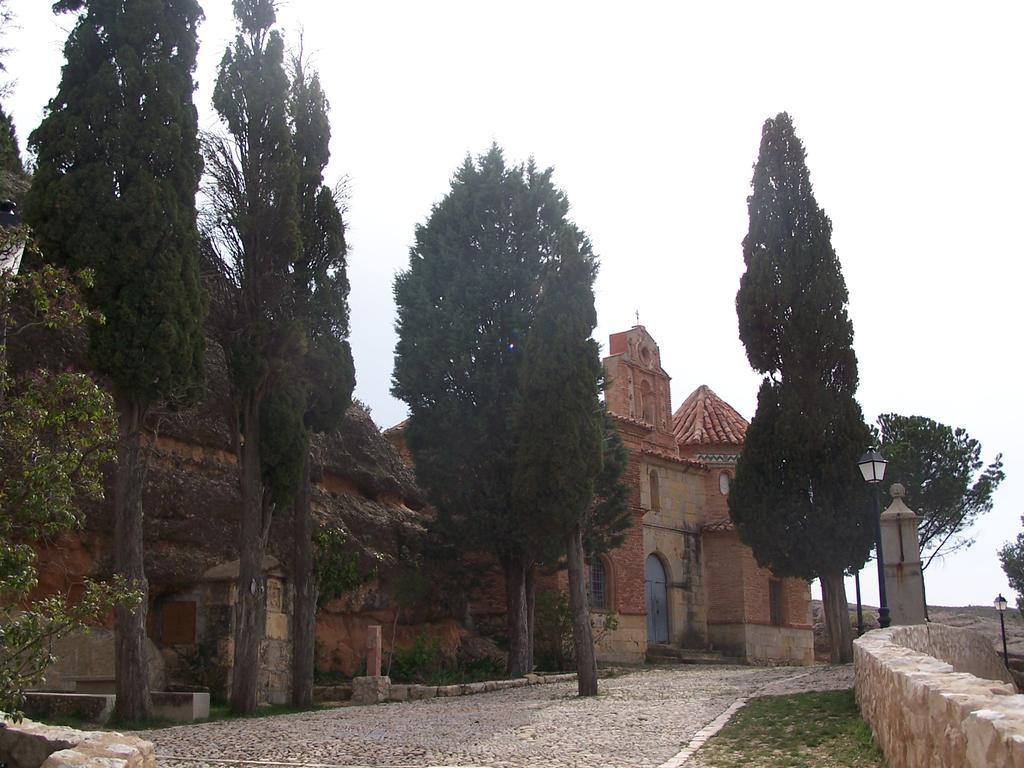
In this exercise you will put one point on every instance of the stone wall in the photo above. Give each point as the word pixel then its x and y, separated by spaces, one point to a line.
pixel 925 712
pixel 967 650
pixel 764 644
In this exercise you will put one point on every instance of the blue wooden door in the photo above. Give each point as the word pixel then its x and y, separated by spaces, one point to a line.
pixel 657 600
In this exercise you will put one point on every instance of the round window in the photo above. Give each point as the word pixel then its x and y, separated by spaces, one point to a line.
pixel 723 483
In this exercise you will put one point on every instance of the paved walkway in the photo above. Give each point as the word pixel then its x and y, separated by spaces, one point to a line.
pixel 640 719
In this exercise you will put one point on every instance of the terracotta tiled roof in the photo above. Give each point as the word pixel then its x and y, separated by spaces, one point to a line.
pixel 705 418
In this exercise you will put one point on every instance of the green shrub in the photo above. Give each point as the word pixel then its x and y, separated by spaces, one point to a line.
pixel 417 662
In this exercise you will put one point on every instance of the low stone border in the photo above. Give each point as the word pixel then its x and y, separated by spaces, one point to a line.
pixel 376 690
pixel 924 713
pixel 33 745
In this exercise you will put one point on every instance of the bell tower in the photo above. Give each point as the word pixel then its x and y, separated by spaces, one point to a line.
pixel 638 387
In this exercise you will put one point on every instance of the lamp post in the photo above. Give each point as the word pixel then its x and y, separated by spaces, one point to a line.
pixel 872 467
pixel 1000 604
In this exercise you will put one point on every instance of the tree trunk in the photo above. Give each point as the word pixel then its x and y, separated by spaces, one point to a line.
pixel 579 608
pixel 304 605
pixel 250 605
pixel 516 617
pixel 837 617
pixel 531 604
pixel 131 666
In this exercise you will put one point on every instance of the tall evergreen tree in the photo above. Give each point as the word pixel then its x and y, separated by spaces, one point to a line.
pixel 253 230
pixel 13 180
pixel 321 301
pixel 798 498
pixel 561 428
pixel 465 305
pixel 114 190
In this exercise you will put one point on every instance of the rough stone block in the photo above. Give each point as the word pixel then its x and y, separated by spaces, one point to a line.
pixel 370 690
pixel 399 692
pixel 30 745
pixel 422 691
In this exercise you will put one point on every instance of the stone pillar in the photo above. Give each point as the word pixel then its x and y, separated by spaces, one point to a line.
pixel 373 650
pixel 373 688
pixel 904 581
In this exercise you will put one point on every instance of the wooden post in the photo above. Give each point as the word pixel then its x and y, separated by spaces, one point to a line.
pixel 373 650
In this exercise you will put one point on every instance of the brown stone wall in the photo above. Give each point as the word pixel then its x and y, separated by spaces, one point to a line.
pixel 723 563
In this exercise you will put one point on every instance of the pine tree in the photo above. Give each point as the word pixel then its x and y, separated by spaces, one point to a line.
pixel 946 481
pixel 255 241
pixel 798 499
pixel 465 305
pixel 328 377
pixel 561 428
pixel 114 190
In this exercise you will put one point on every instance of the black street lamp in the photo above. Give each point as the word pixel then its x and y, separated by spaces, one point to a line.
pixel 872 467
pixel 1000 604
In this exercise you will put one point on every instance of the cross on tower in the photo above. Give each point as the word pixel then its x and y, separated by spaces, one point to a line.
pixel 638 317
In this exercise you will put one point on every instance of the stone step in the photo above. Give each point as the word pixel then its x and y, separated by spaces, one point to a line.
pixel 670 654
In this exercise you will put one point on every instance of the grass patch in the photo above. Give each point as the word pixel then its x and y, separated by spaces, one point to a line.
pixel 806 730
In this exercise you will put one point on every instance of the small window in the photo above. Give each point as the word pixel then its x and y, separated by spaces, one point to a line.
pixel 723 483
pixel 775 602
pixel 178 623
pixel 598 584
pixel 655 491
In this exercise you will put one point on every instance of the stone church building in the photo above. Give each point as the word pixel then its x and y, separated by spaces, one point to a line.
pixel 683 578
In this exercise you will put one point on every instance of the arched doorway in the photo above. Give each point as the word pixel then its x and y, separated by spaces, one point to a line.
pixel 656 593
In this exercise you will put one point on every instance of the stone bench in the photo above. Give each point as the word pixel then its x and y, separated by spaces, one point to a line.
pixel 181 707
pixel 86 707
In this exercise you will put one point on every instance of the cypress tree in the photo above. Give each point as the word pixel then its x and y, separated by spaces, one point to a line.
pixel 798 499
pixel 561 428
pixel 114 191
pixel 465 305
pixel 321 290
pixel 255 239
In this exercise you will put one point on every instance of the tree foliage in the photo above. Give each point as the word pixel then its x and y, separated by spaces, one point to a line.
pixel 798 499
pixel 326 374
pixel 1012 558
pixel 56 432
pixel 114 189
pixel 464 310
pixel 465 306
pixel 947 482
pixel 560 425
pixel 252 223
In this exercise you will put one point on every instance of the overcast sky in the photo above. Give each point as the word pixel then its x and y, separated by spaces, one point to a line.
pixel 651 114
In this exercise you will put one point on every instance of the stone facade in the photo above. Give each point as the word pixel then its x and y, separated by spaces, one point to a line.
pixel 925 707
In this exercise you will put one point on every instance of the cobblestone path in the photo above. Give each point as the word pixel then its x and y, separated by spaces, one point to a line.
pixel 640 719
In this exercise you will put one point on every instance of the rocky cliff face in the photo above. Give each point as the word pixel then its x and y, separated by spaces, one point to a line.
pixel 192 500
